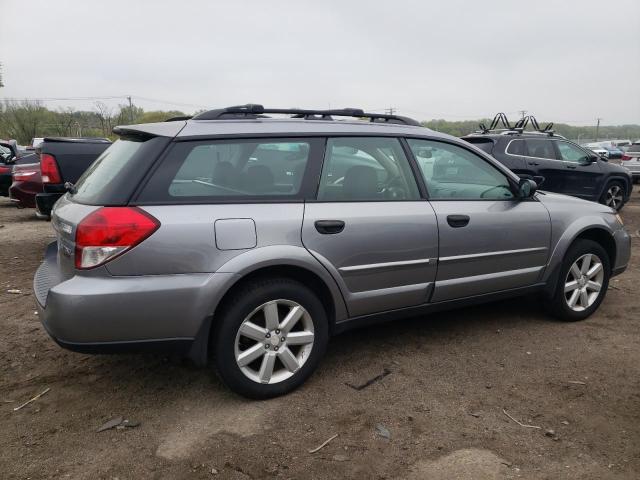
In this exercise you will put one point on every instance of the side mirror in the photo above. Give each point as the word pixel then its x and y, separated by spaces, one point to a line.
pixel 588 160
pixel 527 188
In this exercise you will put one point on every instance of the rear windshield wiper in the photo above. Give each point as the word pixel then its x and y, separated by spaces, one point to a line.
pixel 70 187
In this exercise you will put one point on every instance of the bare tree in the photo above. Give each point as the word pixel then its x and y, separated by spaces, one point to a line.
pixel 66 120
pixel 105 115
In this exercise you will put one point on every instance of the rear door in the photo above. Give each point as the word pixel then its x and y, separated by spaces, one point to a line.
pixel 583 178
pixel 369 226
pixel 489 240
pixel 541 157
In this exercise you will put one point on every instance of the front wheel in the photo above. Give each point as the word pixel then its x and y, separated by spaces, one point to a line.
pixel 583 281
pixel 614 195
pixel 271 337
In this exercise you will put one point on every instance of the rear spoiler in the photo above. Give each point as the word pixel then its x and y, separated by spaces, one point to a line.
pixel 149 130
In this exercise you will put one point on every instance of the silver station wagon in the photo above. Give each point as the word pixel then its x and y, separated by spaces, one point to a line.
pixel 248 236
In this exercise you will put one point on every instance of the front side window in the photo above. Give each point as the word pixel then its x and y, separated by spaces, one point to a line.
pixel 571 153
pixel 540 148
pixel 230 168
pixel 366 169
pixel 454 173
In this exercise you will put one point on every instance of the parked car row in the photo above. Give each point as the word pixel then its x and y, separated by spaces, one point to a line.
pixel 557 164
pixel 37 178
pixel 631 159
pixel 10 157
pixel 249 240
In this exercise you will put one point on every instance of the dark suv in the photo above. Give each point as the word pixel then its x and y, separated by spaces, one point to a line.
pixel 557 164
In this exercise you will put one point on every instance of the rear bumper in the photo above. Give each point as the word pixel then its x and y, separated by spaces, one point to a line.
pixel 114 314
pixel 45 202
pixel 23 194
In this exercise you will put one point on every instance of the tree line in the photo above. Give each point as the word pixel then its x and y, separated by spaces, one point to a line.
pixel 27 119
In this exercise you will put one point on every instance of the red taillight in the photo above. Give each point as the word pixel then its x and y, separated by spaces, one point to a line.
pixel 4 169
pixel 110 231
pixel 49 169
pixel 626 157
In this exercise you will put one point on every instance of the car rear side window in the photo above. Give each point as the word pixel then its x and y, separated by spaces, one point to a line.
pixel 366 169
pixel 100 175
pixel 516 147
pixel 230 169
pixel 540 148
pixel 484 144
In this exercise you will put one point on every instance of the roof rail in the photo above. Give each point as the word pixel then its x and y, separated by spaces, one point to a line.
pixel 251 111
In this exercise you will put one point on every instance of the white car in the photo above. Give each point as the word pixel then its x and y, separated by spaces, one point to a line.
pixel 597 149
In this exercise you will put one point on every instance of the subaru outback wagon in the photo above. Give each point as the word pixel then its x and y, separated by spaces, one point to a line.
pixel 250 240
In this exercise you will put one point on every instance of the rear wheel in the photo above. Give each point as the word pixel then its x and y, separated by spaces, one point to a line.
pixel 583 281
pixel 271 337
pixel 614 195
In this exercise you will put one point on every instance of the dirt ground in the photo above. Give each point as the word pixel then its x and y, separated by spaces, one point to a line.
pixel 452 374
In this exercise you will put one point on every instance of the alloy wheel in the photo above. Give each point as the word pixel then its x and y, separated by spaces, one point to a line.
pixel 584 282
pixel 613 197
pixel 274 341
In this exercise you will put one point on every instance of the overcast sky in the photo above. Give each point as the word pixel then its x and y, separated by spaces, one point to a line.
pixel 564 61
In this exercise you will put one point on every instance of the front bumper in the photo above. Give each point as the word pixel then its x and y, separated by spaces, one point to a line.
pixel 97 312
pixel 623 251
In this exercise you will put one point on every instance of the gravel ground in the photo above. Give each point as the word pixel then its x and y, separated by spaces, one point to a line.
pixel 452 374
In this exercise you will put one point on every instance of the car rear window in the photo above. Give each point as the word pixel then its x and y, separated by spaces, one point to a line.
pixel 484 144
pixel 114 175
pixel 214 170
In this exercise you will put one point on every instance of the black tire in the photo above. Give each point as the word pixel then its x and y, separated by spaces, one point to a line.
pixel 558 305
pixel 611 188
pixel 243 302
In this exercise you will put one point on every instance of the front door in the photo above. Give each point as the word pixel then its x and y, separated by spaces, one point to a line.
pixel 541 157
pixel 583 177
pixel 489 240
pixel 370 228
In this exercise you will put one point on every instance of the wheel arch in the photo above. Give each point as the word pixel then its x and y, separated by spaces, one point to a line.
pixel 628 185
pixel 598 232
pixel 274 261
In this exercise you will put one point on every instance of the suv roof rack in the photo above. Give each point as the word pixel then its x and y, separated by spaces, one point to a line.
pixel 251 111
pixel 517 128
